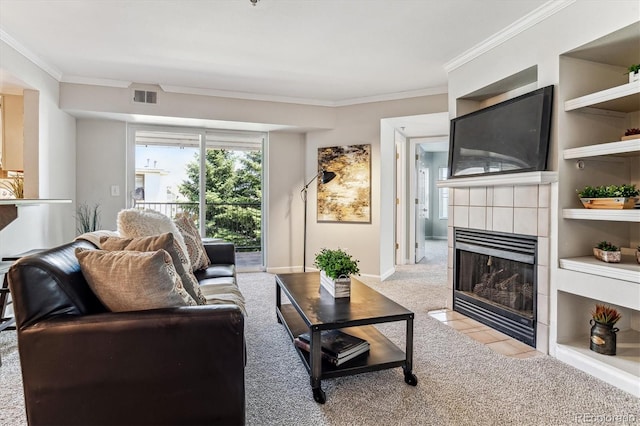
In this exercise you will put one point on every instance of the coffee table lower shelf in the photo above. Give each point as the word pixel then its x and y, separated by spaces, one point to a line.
pixel 383 353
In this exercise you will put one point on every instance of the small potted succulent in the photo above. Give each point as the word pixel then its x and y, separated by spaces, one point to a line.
pixel 633 133
pixel 607 252
pixel 336 268
pixel 638 254
pixel 609 196
pixel 634 72
pixel 603 332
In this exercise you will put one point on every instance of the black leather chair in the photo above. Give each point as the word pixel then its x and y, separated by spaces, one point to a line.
pixel 84 365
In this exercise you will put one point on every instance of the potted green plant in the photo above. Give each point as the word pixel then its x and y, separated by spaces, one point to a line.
pixel 607 252
pixel 634 72
pixel 15 185
pixel 336 268
pixel 609 196
pixel 88 218
pixel 603 332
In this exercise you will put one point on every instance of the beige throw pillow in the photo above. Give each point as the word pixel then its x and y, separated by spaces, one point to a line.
pixel 134 223
pixel 133 280
pixel 195 249
pixel 165 242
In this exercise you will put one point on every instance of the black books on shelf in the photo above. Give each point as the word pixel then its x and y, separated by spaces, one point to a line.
pixel 338 347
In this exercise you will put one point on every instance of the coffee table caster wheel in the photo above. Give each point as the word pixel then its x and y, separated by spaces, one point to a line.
pixel 410 379
pixel 319 396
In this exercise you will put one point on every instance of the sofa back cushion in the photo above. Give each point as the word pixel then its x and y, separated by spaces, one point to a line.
pixel 50 283
pixel 133 280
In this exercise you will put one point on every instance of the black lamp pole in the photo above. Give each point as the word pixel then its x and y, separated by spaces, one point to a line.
pixel 325 177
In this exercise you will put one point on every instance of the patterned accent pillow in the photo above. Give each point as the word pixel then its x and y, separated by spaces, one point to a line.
pixel 165 242
pixel 134 223
pixel 195 249
pixel 133 280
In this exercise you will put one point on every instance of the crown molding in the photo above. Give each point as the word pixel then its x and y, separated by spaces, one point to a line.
pixel 440 90
pixel 21 49
pixel 302 101
pixel 90 81
pixel 536 16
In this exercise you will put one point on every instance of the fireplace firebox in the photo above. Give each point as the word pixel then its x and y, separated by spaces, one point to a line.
pixel 495 281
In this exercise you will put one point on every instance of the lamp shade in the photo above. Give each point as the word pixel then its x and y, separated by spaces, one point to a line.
pixel 327 177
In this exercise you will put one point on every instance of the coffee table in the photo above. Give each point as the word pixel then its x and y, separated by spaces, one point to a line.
pixel 313 309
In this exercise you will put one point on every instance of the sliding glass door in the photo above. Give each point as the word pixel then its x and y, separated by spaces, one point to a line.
pixel 215 175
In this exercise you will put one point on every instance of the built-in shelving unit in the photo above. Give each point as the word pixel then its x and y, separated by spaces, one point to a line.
pixel 592 81
pixel 9 207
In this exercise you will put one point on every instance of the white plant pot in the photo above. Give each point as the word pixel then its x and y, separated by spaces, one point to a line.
pixel 338 288
pixel 634 76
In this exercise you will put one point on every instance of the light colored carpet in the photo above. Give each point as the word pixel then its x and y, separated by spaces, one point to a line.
pixel 461 382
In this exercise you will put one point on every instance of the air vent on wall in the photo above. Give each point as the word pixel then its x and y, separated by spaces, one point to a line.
pixel 145 97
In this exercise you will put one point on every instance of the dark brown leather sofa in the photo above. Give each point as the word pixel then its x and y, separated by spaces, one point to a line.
pixel 83 365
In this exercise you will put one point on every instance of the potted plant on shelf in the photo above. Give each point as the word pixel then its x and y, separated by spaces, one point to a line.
pixel 336 268
pixel 607 252
pixel 603 332
pixel 609 197
pixel 634 72
pixel 15 185
pixel 633 133
pixel 638 254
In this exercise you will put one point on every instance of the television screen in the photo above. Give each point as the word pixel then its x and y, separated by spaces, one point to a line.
pixel 509 137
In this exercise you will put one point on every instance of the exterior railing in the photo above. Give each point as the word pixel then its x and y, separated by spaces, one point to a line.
pixel 239 223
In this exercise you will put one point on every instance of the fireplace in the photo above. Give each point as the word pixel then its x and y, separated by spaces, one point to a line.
pixel 495 281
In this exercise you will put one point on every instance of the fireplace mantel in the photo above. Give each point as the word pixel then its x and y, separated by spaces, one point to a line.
pixel 528 178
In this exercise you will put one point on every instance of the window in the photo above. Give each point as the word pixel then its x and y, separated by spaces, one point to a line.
pixel 443 195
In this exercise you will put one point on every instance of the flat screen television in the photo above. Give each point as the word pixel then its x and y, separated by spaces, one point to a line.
pixel 508 137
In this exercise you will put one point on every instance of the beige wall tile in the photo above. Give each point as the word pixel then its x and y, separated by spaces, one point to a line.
pixel 450 259
pixel 461 216
pixel 461 197
pixel 543 309
pixel 543 251
pixel 543 280
pixel 525 221
pixel 543 222
pixel 478 196
pixel 489 214
pixel 503 196
pixel 542 338
pixel 489 195
pixel 525 196
pixel 478 217
pixel 450 236
pixel 544 195
pixel 503 219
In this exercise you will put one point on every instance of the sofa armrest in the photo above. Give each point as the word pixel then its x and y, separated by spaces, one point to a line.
pixel 221 253
pixel 162 366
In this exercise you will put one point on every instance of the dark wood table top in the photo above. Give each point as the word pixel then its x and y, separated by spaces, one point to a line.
pixel 321 310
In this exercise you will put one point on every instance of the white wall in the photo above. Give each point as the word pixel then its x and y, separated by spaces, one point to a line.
pixel 49 161
pixel 101 162
pixel 372 244
pixel 285 159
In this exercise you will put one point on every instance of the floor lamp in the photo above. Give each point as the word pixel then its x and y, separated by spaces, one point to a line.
pixel 325 177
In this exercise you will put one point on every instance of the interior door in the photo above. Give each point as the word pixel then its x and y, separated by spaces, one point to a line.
pixel 422 208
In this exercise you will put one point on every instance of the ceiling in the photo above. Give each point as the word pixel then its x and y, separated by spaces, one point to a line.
pixel 326 52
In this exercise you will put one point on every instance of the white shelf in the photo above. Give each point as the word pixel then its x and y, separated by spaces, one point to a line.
pixel 623 215
pixel 627 270
pixel 627 148
pixel 625 98
pixel 621 370
pixel 31 201
pixel 526 178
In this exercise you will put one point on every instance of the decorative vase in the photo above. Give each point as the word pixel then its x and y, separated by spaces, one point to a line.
pixel 338 288
pixel 633 76
pixel 607 256
pixel 603 338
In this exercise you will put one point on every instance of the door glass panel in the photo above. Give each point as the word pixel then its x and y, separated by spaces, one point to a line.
pixel 166 165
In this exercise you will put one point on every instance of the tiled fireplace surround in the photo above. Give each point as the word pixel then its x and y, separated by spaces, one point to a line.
pixel 519 209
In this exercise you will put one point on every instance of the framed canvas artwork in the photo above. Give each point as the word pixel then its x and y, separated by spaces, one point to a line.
pixel 347 198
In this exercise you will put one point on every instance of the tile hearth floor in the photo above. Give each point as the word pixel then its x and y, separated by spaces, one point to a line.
pixel 491 338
